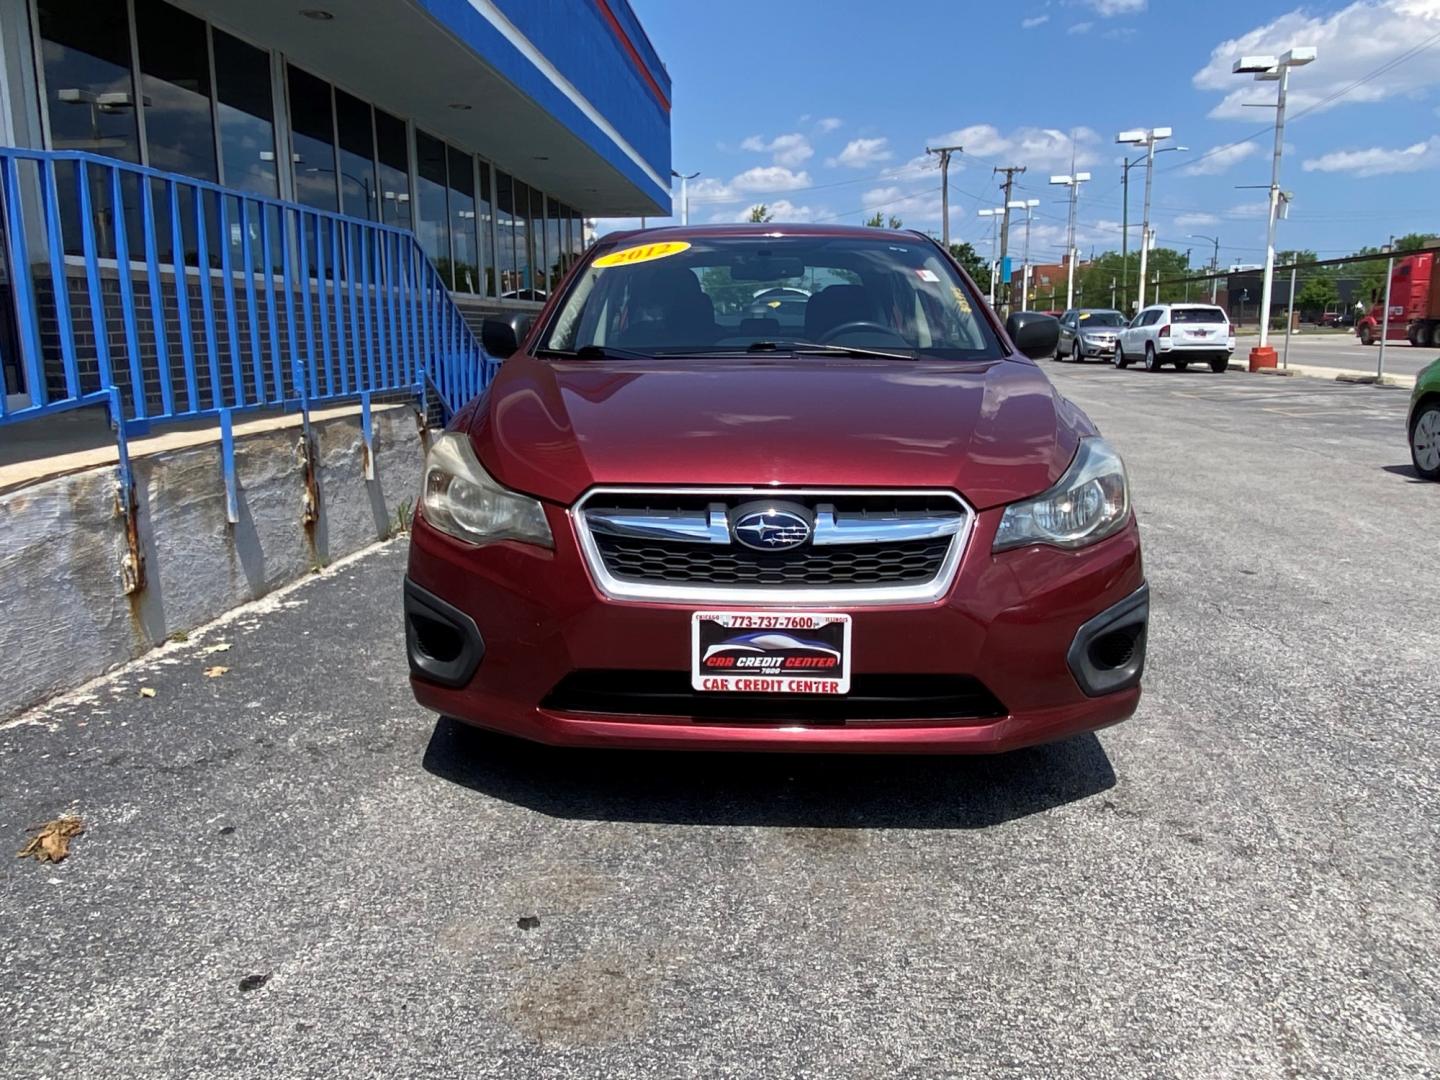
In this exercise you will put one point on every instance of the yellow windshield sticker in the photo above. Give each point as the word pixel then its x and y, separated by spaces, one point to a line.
pixel 647 253
pixel 1084 315
pixel 960 299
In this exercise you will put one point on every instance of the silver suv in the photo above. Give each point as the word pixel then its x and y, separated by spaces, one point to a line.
pixel 1087 332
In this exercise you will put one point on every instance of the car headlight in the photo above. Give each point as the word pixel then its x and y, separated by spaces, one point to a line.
pixel 460 498
pixel 1090 502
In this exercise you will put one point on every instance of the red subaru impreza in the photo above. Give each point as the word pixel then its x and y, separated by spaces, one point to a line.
pixel 775 488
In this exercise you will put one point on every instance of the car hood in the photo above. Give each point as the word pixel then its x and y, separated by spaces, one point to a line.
pixel 993 431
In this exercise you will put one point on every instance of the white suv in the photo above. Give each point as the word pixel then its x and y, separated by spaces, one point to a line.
pixel 1177 334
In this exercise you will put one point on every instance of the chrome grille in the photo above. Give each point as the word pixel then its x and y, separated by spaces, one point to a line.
pixel 863 547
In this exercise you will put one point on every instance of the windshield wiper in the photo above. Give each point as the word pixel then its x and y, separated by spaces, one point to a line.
pixel 802 348
pixel 596 352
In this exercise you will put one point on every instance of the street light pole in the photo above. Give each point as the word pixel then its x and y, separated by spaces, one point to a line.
pixel 1027 205
pixel 1270 69
pixel 1073 182
pixel 945 152
pixel 1214 262
pixel 1146 138
pixel 684 194
pixel 994 216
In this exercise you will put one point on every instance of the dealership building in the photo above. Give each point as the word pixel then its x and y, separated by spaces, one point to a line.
pixel 246 250
pixel 489 127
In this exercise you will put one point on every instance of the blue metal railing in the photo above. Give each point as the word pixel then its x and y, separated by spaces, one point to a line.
pixel 168 298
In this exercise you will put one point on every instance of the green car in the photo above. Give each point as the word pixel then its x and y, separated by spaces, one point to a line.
pixel 1425 422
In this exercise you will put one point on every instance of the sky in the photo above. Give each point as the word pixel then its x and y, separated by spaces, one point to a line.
pixel 822 110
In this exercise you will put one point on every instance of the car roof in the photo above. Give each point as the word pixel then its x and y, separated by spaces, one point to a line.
pixel 662 233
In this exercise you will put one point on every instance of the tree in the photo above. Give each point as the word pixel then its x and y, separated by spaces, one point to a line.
pixel 974 264
pixel 760 213
pixel 1316 295
pixel 878 222
pixel 1414 241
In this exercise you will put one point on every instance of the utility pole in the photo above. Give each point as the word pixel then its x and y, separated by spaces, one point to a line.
pixel 1187 274
pixel 1009 171
pixel 1027 205
pixel 944 152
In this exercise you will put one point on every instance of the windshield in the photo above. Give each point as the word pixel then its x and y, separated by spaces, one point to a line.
pixel 1094 320
pixel 709 296
pixel 1197 314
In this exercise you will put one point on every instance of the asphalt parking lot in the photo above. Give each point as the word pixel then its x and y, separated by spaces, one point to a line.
pixel 290 870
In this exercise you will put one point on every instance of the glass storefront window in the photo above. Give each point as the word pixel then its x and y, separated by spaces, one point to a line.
pixel 89 88
pixel 554 250
pixel 247 115
pixel 312 139
pixel 505 235
pixel 524 244
pixel 358 187
pixel 175 86
pixel 462 222
pixel 485 219
pixel 393 146
pixel 433 216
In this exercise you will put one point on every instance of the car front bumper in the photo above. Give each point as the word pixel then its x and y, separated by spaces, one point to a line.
pixel 1022 624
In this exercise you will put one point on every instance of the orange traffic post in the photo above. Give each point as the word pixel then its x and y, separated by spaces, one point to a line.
pixel 1261 357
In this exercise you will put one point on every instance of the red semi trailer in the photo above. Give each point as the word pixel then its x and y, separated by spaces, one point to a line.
pixel 1414 305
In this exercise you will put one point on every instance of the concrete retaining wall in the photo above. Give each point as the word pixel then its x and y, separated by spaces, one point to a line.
pixel 64 616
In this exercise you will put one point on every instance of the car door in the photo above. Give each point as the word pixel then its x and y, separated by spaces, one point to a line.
pixel 1067 333
pixel 1130 337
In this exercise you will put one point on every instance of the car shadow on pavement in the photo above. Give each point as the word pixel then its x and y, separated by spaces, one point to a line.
pixel 791 790
pixel 1407 471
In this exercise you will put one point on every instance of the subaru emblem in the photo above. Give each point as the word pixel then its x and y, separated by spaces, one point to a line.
pixel 771 526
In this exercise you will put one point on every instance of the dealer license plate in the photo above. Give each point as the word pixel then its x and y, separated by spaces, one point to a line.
pixel 770 652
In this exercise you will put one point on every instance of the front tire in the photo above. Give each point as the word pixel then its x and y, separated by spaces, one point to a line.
pixel 1425 441
pixel 1152 361
pixel 1366 336
pixel 1076 356
pixel 1121 361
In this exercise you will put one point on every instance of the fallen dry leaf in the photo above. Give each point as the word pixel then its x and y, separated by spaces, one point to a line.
pixel 215 672
pixel 146 691
pixel 51 842
pixel 219 646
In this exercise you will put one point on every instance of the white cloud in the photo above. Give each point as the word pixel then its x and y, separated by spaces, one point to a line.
pixel 1244 211
pixel 919 165
pixel 1080 28
pixel 768 178
pixel 1120 33
pixel 1352 42
pixel 781 210
pixel 862 153
pixel 1379 161
pixel 915 208
pixel 1039 148
pixel 789 150
pixel 829 124
pixel 1219 159
pixel 746 187
pixel 1034 21
pixel 1195 221
pixel 1108 8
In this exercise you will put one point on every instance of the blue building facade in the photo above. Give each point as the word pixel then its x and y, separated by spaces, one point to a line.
pixel 488 128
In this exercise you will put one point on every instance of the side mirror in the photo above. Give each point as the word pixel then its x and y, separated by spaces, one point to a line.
pixel 1034 333
pixel 499 337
